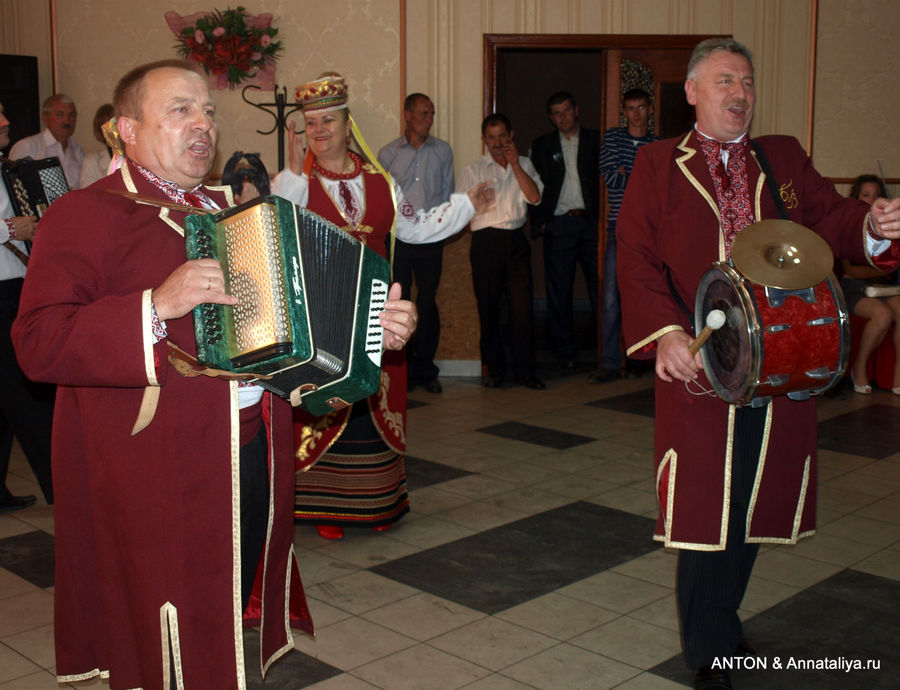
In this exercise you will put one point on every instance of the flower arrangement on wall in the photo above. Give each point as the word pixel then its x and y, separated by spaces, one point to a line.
pixel 233 46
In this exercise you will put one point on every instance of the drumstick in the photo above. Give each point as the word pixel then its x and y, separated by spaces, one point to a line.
pixel 714 321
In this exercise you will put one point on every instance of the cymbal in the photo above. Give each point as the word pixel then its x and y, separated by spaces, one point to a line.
pixel 781 254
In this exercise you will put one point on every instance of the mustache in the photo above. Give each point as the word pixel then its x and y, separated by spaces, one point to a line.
pixel 745 105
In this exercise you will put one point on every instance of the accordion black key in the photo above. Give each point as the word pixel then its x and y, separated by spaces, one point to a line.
pixel 34 184
pixel 308 294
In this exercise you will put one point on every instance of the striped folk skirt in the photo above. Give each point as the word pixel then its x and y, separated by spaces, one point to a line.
pixel 359 481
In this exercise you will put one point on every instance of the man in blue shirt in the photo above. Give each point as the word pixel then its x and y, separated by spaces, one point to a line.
pixel 617 152
pixel 423 166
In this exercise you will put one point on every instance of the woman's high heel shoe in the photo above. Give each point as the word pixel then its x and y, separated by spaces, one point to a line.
pixel 330 531
pixel 864 389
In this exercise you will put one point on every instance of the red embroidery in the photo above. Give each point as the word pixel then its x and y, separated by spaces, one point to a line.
pixel 731 185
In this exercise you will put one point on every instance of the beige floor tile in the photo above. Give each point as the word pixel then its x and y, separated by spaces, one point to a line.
pixel 11 526
pixel 629 500
pixel 662 612
pixel 345 681
pixel 617 472
pixel 867 484
pixel 650 681
pixel 884 469
pixel 478 486
pixel 316 567
pixel 323 614
pixel 473 460
pixel 365 548
pixel 432 500
pixel 423 616
pixel 421 668
pixel 42 680
pixel 632 642
pixel 351 643
pixel 497 681
pixel 529 500
pixel 557 616
pixel 39 516
pixel 790 569
pixel 481 515
pixel 522 473
pixel 615 592
pixel 429 532
pixel 885 563
pixel 360 592
pixel 577 487
pixel 26 612
pixel 36 645
pixel 565 462
pixel 11 585
pixel 832 549
pixel 658 567
pixel 841 500
pixel 566 667
pixel 886 509
pixel 13 665
pixel 864 530
pixel 492 643
pixel 762 594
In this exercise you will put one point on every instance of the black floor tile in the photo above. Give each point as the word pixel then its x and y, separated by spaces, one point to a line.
pixel 849 616
pixel 640 402
pixel 421 473
pixel 551 438
pixel 514 563
pixel 30 556
pixel 412 404
pixel 292 671
pixel 873 432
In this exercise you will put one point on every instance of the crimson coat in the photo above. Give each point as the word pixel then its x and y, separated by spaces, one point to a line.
pixel 147 525
pixel 669 223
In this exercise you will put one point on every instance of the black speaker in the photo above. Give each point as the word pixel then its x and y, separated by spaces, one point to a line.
pixel 19 95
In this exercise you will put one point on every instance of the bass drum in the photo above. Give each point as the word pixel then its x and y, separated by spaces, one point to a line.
pixel 774 341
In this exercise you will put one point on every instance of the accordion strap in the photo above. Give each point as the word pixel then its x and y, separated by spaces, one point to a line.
pixel 20 255
pixel 187 365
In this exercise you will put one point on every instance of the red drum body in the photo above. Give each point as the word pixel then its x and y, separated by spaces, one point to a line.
pixel 774 341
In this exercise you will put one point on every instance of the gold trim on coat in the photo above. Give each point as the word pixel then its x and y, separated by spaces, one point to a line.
pixel 168 623
pixel 760 469
pixel 650 338
pixel 236 609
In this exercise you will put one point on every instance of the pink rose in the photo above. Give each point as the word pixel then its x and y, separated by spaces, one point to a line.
pixel 265 40
pixel 256 57
pixel 219 31
pixel 198 36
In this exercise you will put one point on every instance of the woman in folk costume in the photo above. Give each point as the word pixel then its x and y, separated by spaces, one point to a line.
pixel 350 462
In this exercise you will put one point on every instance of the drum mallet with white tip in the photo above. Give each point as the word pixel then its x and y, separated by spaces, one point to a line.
pixel 714 321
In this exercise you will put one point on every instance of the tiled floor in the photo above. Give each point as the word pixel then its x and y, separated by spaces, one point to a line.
pixel 527 560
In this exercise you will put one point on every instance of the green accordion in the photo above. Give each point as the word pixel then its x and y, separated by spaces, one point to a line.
pixel 309 296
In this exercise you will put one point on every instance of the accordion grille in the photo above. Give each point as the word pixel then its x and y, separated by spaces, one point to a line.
pixel 255 276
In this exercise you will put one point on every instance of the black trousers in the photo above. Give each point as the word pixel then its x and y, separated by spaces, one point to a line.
pixel 711 584
pixel 254 483
pixel 569 241
pixel 421 263
pixel 501 266
pixel 26 407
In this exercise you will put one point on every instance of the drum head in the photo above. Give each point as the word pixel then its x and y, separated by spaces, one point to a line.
pixel 730 356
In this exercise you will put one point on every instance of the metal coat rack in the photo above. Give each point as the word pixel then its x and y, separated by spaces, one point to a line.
pixel 281 113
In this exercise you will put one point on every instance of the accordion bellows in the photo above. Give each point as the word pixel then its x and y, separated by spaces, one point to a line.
pixel 34 184
pixel 308 294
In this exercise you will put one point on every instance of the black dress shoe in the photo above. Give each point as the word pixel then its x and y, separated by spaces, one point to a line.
pixel 433 386
pixel 13 503
pixel 492 381
pixel 532 382
pixel 567 363
pixel 604 375
pixel 709 678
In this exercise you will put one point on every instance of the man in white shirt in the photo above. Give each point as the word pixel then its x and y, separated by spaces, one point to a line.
pixel 59 116
pixel 26 408
pixel 501 255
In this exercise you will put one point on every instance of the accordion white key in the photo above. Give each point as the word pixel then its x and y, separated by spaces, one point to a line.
pixel 308 294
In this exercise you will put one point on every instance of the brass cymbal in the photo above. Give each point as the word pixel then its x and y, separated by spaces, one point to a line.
pixel 781 254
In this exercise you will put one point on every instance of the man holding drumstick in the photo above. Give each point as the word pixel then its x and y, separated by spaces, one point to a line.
pixel 728 478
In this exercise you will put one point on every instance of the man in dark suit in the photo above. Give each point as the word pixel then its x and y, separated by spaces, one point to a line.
pixel 566 160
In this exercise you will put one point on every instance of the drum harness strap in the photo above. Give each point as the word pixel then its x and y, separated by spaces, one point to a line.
pixel 779 206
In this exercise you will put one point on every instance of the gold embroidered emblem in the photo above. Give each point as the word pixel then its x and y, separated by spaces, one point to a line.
pixel 393 419
pixel 788 195
pixel 310 435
